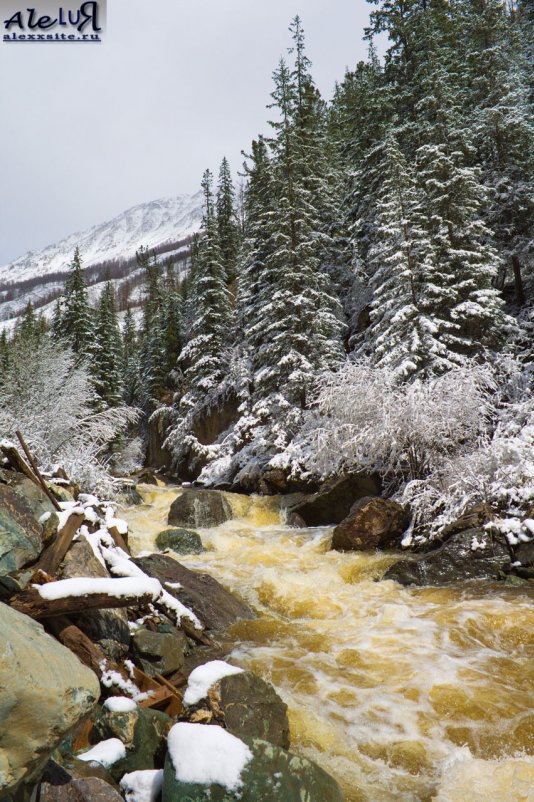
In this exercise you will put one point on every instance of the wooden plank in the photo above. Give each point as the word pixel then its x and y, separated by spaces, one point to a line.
pixel 53 555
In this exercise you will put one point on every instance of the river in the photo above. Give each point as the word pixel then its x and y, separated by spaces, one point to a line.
pixel 402 694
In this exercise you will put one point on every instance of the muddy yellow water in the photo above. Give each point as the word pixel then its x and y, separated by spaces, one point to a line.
pixel 404 695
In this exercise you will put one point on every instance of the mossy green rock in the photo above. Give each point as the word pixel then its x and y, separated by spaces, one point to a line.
pixel 45 693
pixel 181 541
pixel 143 733
pixel 20 533
pixel 159 652
pixel 273 775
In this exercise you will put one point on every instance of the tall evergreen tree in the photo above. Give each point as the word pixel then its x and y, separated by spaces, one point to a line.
pixel 211 329
pixel 466 262
pixel 106 358
pixel 131 379
pixel 77 319
pixel 172 318
pixel 227 223
pixel 408 330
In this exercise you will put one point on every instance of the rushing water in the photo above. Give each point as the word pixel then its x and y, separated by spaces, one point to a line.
pixel 404 695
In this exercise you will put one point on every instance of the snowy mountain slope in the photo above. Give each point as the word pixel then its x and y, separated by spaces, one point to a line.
pixel 149 225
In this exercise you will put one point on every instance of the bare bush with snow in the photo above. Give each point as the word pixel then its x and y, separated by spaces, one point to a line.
pixel 47 396
pixel 442 444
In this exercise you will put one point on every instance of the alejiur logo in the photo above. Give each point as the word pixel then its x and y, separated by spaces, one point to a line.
pixel 69 22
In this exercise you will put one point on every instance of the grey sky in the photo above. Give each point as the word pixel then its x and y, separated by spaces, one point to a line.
pixel 88 131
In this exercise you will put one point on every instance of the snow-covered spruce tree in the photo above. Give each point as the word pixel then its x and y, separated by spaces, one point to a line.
pixel 407 332
pixel 30 328
pixel 495 75
pixel 4 354
pixel 300 321
pixel 130 360
pixel 211 329
pixel 76 316
pixel 227 223
pixel 172 319
pixel 466 263
pixel 152 354
pixel 106 353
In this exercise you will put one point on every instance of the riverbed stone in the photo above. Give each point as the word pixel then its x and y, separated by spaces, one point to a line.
pixel 143 732
pixel 457 560
pixel 200 508
pixel 216 607
pixel 181 541
pixel 159 652
pixel 46 692
pixel 273 775
pixel 334 500
pixel 86 789
pixel 251 708
pixel 373 523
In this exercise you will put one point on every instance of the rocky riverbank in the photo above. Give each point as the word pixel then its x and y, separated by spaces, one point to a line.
pixel 114 682
pixel 118 657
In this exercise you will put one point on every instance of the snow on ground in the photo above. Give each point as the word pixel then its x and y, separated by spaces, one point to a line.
pixel 142 786
pixel 202 678
pixel 205 754
pixel 106 752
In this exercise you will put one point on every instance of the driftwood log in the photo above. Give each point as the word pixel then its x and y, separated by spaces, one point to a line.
pixel 31 603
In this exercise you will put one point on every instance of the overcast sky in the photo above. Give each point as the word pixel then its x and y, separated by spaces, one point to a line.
pixel 88 131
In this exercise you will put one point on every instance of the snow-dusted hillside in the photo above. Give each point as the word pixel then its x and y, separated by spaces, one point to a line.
pixel 149 225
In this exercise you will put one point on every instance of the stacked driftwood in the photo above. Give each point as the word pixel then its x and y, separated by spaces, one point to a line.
pixel 59 615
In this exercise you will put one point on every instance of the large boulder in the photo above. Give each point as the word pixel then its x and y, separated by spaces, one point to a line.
pixel 334 500
pixel 181 541
pixel 45 693
pixel 474 554
pixel 35 496
pixel 252 709
pixel 373 523
pixel 269 774
pixel 247 706
pixel 199 508
pixel 20 531
pixel 216 607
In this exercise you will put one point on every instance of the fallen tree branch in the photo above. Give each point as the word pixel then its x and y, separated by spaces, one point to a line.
pixel 37 472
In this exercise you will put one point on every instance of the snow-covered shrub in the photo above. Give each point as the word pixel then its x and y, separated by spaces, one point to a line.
pixel 48 397
pixel 364 419
pixel 441 445
pixel 499 471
